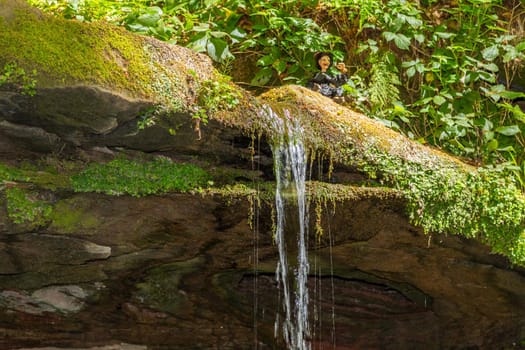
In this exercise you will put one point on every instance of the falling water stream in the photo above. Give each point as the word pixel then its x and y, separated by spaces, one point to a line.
pixel 290 172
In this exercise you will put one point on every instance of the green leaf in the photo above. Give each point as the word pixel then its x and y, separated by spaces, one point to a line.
pixel 510 54
pixel 439 100
pixel 511 95
pixel 150 17
pixel 509 130
pixel 420 38
pixel 413 21
pixel 491 67
pixel 262 77
pixel 445 35
pixel 237 35
pixel 218 34
pixel 218 49
pixel 490 53
pixel 265 60
pixel 389 36
pixel 202 27
pixel 199 42
pixel 137 28
pixel 411 71
pixel 279 66
pixel 516 111
pixel 495 92
pixel 402 42
pixel 520 46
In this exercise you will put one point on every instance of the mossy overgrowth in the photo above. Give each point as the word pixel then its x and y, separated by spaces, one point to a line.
pixel 136 178
pixel 484 204
pixel 24 207
pixel 71 215
pixel 8 173
pixel 18 78
pixel 68 52
pixel 72 52
pixel 444 195
pixel 46 174
pixel 216 94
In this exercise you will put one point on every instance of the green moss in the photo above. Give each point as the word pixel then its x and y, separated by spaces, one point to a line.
pixel 443 195
pixel 161 288
pixel 68 216
pixel 46 176
pixel 24 207
pixel 121 176
pixel 72 52
pixel 8 173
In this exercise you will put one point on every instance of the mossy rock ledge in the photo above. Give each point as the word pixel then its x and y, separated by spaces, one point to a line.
pixel 406 235
pixel 94 84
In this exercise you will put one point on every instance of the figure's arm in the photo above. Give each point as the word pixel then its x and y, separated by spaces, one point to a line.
pixel 341 78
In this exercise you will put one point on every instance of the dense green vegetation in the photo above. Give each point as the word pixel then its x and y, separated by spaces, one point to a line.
pixel 121 176
pixel 18 78
pixel 23 186
pixel 441 72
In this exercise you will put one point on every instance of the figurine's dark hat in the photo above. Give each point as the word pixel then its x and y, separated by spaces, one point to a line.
pixel 318 56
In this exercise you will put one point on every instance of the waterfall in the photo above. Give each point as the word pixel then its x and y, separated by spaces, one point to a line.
pixel 290 172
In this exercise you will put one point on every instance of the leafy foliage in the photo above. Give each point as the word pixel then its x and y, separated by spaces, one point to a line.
pixel 121 176
pixel 485 204
pixel 12 74
pixel 24 207
pixel 276 33
pixel 457 65
pixel 215 95
pixel 8 173
pixel 440 73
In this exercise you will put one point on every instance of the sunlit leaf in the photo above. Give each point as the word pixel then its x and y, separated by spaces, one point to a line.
pixel 199 42
pixel 510 54
pixel 279 66
pixel 511 95
pixel 444 35
pixel 411 71
pixel 218 49
pixel 262 77
pixel 265 60
pixel 516 111
pixel 237 35
pixel 218 34
pixel 419 38
pixel 138 28
pixel 520 46
pixel 491 67
pixel 509 130
pixel 439 100
pixel 490 53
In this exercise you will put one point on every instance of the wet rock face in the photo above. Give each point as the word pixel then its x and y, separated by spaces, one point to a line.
pixel 173 272
pixel 185 271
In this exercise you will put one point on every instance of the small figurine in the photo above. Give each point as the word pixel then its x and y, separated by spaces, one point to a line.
pixel 326 83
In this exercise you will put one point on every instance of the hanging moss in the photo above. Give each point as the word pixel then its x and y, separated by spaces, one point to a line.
pixel 444 195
